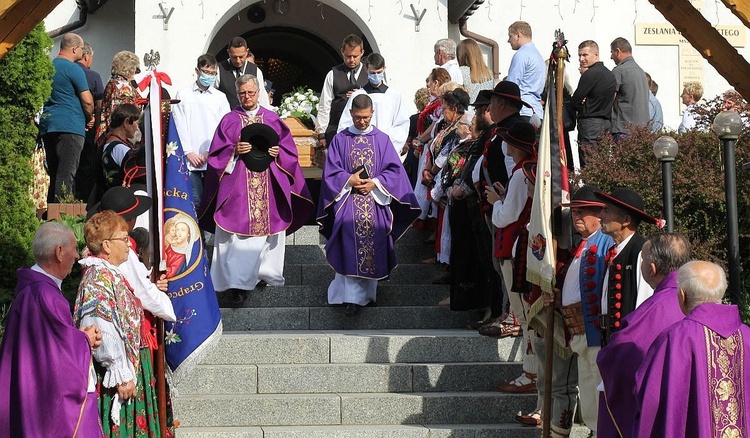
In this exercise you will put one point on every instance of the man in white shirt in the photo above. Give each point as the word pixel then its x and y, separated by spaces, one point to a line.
pixel 691 94
pixel 196 117
pixel 391 115
pixel 445 57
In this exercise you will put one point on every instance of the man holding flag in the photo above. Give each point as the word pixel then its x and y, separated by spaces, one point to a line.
pixel 254 195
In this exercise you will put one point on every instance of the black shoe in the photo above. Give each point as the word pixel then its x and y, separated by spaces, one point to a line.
pixel 238 297
pixel 351 309
pixel 261 284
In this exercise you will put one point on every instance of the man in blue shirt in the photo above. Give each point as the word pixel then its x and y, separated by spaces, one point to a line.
pixel 67 114
pixel 527 68
pixel 655 113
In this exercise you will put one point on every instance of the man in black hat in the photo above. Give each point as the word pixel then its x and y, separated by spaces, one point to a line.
pixel 579 303
pixel 624 287
pixel 502 106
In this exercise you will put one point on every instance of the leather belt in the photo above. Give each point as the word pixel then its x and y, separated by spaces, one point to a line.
pixel 573 317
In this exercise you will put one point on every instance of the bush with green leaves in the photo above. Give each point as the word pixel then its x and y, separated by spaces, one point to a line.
pixel 698 184
pixel 25 83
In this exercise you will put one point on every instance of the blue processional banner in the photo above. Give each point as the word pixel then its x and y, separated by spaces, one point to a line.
pixel 191 290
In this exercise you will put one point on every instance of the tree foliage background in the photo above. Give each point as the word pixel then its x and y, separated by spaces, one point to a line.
pixel 698 183
pixel 25 83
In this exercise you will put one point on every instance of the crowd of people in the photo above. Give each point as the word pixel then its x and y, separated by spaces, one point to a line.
pixel 639 317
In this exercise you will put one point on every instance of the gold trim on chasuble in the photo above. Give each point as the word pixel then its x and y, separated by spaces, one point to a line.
pixel 725 381
pixel 364 208
pixel 259 213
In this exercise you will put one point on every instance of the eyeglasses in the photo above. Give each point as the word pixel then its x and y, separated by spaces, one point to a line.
pixel 247 93
pixel 361 118
pixel 210 73
pixel 124 239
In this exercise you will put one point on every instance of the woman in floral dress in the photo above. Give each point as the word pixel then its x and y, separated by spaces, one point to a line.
pixel 127 394
pixel 118 90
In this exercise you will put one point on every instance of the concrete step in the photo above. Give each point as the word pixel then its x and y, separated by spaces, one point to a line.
pixel 322 274
pixel 373 431
pixel 363 378
pixel 350 409
pixel 361 346
pixel 333 318
pixel 389 295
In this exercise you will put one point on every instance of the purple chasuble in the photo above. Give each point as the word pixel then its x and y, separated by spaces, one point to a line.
pixel 694 379
pixel 250 203
pixel 621 358
pixel 44 366
pixel 361 233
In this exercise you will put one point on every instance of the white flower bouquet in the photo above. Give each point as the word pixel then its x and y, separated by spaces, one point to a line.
pixel 301 103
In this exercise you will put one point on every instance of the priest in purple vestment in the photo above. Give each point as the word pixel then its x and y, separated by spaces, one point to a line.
pixel 366 204
pixel 47 385
pixel 695 379
pixel 251 211
pixel 663 254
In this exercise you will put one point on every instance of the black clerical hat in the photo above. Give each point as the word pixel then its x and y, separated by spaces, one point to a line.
pixel 261 137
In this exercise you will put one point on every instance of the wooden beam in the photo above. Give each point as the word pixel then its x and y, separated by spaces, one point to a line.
pixel 740 8
pixel 708 42
pixel 19 18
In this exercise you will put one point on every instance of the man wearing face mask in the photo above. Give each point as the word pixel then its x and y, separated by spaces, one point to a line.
pixel 391 115
pixel 196 117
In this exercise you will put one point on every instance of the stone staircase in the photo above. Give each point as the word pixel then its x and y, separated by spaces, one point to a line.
pixel 291 366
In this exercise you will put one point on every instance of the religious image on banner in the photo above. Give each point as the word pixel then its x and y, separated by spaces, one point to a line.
pixel 191 290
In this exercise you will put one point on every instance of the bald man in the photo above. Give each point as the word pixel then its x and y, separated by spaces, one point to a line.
pixel 695 380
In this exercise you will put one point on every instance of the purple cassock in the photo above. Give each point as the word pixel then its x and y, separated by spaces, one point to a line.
pixel 44 366
pixel 253 203
pixel 695 379
pixel 360 232
pixel 621 358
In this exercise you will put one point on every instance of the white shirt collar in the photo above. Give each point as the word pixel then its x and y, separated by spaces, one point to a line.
pixel 39 269
pixel 622 244
pixel 449 62
pixel 253 112
pixel 354 130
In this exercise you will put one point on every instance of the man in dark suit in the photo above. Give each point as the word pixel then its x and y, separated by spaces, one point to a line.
pixel 339 84
pixel 236 65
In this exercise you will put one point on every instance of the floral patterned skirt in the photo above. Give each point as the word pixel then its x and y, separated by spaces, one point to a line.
pixel 139 417
pixel 40 184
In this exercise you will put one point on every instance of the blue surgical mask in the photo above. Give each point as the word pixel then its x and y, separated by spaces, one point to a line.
pixel 206 80
pixel 375 78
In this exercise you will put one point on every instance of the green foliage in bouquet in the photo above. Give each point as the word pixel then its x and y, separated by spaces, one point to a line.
pixel 301 103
